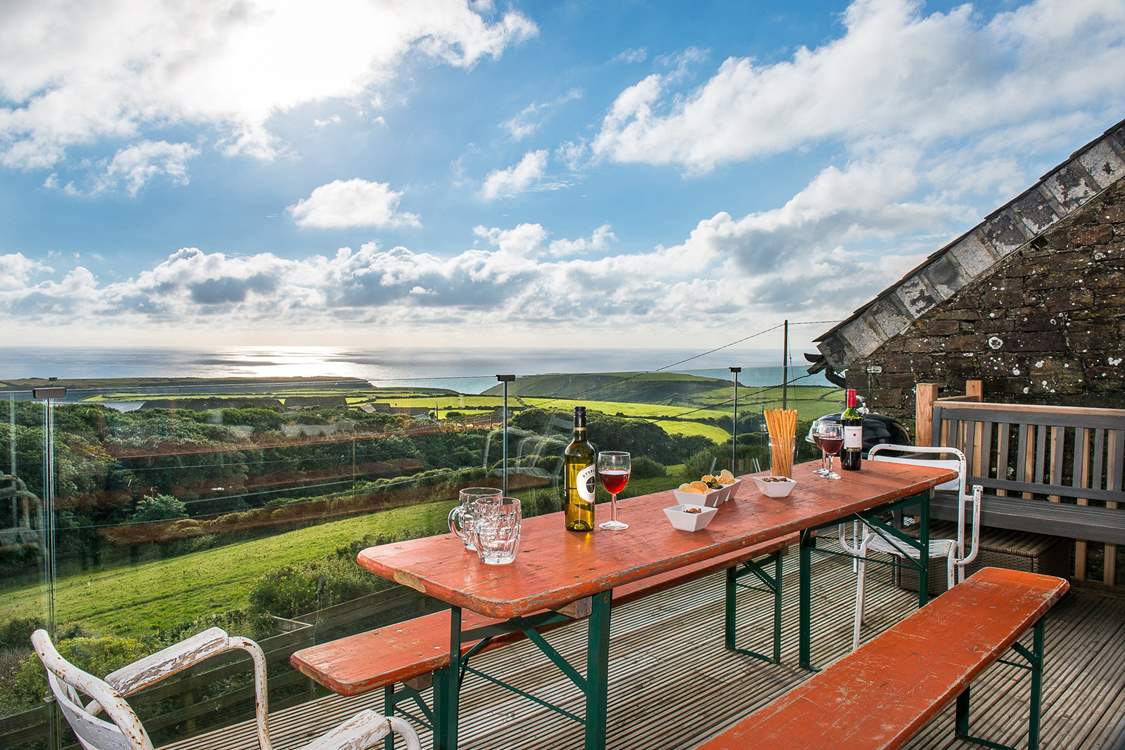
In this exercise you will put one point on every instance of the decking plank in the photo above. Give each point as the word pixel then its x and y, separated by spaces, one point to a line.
pixel 674 698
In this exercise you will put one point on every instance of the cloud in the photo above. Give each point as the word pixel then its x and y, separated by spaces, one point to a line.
pixel 530 241
pixel 522 176
pixel 630 56
pixel 852 228
pixel 532 117
pixel 323 122
pixel 75 73
pixel 16 269
pixel 893 73
pixel 131 168
pixel 352 203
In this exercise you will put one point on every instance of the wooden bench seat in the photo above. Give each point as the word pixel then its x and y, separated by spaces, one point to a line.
pixel 881 695
pixel 396 653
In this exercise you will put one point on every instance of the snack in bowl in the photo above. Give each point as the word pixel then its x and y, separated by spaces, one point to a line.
pixel 690 517
pixel 715 489
pixel 773 486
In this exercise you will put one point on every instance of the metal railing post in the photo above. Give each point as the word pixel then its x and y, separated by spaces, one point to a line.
pixel 505 379
pixel 734 425
pixel 47 529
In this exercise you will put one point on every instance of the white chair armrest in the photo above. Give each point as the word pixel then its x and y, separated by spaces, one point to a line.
pixel 150 670
pixel 363 731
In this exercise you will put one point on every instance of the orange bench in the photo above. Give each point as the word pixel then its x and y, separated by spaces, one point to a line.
pixel 882 694
pixel 413 650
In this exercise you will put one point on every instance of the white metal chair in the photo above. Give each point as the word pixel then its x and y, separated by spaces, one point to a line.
pixel 123 730
pixel 953 550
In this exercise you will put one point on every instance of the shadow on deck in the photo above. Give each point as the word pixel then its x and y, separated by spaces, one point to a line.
pixel 672 684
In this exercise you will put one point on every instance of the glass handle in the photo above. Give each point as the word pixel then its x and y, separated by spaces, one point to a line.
pixel 454 521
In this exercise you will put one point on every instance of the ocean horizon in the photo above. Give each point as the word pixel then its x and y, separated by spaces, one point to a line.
pixel 465 370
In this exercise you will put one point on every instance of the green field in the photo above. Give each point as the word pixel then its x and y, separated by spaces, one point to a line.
pixel 164 593
pixel 160 594
pixel 714 433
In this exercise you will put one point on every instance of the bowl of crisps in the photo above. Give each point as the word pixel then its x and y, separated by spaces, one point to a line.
pixel 711 490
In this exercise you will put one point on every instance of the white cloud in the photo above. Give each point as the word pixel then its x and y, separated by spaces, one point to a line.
pixel 323 122
pixel 532 117
pixel 135 165
pixel 76 73
pixel 16 270
pixel 352 203
pixel 530 241
pixel 518 178
pixel 835 242
pixel 631 55
pixel 895 72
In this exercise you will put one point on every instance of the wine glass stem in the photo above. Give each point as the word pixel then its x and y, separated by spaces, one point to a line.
pixel 830 457
pixel 824 460
pixel 613 506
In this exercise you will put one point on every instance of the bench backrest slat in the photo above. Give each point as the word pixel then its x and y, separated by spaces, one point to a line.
pixel 1056 452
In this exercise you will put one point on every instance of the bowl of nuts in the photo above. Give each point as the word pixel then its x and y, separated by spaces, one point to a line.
pixel 775 486
pixel 688 517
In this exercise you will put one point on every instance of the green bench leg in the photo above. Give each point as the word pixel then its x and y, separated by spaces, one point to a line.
pixel 773 587
pixel 1034 659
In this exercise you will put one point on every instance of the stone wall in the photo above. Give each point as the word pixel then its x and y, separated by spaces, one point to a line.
pixel 1045 325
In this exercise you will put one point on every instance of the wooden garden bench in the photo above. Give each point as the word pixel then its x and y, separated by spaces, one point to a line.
pixel 881 695
pixel 411 651
pixel 1054 470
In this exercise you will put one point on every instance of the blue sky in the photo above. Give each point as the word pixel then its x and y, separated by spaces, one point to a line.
pixel 444 174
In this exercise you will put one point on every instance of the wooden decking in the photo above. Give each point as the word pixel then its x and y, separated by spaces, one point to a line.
pixel 673 685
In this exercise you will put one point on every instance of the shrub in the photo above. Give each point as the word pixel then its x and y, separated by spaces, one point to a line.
pixel 158 508
pixel 645 468
pixel 98 656
pixel 298 589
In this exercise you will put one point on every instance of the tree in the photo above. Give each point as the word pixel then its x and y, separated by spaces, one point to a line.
pixel 159 508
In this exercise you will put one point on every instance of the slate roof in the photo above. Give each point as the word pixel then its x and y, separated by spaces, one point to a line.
pixel 1059 193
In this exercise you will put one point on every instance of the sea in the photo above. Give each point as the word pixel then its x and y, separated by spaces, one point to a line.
pixel 464 370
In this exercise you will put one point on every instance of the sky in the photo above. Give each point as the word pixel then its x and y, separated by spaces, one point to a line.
pixel 576 174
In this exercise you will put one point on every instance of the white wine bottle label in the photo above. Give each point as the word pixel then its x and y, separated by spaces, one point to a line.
pixel 853 438
pixel 586 482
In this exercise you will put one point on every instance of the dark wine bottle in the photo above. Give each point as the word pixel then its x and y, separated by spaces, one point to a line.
pixel 581 477
pixel 852 420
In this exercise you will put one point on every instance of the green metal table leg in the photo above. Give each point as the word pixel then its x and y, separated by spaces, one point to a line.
pixel 924 541
pixel 446 703
pixel 777 573
pixel 597 671
pixel 805 624
pixel 389 711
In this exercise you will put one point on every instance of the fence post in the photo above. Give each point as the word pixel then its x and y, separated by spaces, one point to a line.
pixel 925 394
pixel 734 425
pixel 505 379
pixel 974 390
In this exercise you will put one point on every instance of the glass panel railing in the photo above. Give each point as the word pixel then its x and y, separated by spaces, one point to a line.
pixel 25 566
pixel 180 505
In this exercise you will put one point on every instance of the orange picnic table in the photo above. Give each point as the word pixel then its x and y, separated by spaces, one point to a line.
pixel 561 575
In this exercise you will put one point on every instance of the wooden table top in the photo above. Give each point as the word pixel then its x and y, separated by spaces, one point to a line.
pixel 556 566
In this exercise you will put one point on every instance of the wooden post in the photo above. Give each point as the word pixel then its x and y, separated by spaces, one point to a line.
pixel 974 391
pixel 924 396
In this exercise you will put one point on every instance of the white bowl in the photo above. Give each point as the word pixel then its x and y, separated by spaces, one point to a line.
pixel 713 499
pixel 775 489
pixel 685 521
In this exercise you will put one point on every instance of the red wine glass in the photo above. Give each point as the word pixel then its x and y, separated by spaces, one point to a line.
pixel 829 437
pixel 614 468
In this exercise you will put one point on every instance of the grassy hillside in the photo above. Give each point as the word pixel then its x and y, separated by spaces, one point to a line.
pixel 165 593
pixel 657 387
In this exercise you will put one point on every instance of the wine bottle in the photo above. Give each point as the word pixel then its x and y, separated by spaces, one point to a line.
pixel 581 477
pixel 851 455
